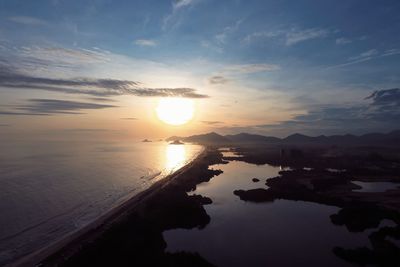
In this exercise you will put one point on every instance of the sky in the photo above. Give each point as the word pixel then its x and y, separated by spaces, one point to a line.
pixel 98 68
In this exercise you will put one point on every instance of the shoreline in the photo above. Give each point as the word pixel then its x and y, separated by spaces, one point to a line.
pixel 70 244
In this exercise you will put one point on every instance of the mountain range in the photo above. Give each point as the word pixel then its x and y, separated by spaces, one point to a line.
pixel 391 139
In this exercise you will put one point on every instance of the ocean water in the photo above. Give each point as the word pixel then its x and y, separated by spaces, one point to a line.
pixel 279 233
pixel 50 189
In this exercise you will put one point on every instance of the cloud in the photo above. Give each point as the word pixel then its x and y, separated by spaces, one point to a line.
pixel 9 78
pixel 53 106
pixel 172 19
pixel 365 55
pixel 130 119
pixel 27 20
pixel 296 36
pixel 343 41
pixel 77 55
pixel 212 122
pixel 2 112
pixel 36 59
pixel 389 97
pixel 391 52
pixel 166 92
pixel 385 105
pixel 221 38
pixel 218 80
pixel 288 36
pixel 250 68
pixel 5 125
pixel 368 55
pixel 178 4
pixel 145 42
pixel 210 45
pixel 262 34
pixel 46 68
pixel 86 130
pixel 223 35
pixel 380 114
pixel 101 99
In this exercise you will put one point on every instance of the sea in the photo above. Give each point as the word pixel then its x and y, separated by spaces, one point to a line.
pixel 50 189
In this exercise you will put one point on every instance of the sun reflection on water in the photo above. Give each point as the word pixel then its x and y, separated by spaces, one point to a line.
pixel 176 157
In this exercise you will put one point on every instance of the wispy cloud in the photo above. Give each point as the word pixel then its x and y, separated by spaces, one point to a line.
pixel 10 78
pixel 212 122
pixel 171 20
pixel 27 20
pixel 230 72
pixel 296 36
pixel 210 45
pixel 367 56
pixel 178 4
pixel 391 52
pixel 262 34
pixel 343 41
pixel 38 59
pixel 53 106
pixel 130 119
pixel 86 130
pixel 217 80
pixel 145 42
pixel 222 36
pixel 290 36
pixel 101 99
pixel 250 68
pixel 386 97
pixel 72 55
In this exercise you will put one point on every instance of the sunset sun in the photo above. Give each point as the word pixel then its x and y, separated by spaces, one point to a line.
pixel 175 111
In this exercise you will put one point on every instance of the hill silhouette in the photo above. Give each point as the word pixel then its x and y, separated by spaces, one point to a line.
pixel 373 139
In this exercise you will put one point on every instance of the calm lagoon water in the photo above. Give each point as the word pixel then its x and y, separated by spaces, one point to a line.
pixel 49 189
pixel 281 233
pixel 375 187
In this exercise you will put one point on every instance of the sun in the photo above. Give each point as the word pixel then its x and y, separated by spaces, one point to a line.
pixel 175 111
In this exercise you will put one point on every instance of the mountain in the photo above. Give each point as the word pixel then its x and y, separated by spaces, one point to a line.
pixel 252 138
pixel 297 138
pixel 174 138
pixel 389 139
pixel 208 138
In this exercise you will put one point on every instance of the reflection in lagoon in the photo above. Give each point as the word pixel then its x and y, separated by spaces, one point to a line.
pixel 231 154
pixel 255 234
pixel 285 168
pixel 175 157
pixel 374 187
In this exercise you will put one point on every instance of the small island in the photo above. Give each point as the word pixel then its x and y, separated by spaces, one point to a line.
pixel 176 142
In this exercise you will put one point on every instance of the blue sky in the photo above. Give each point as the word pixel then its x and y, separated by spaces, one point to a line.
pixel 270 67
